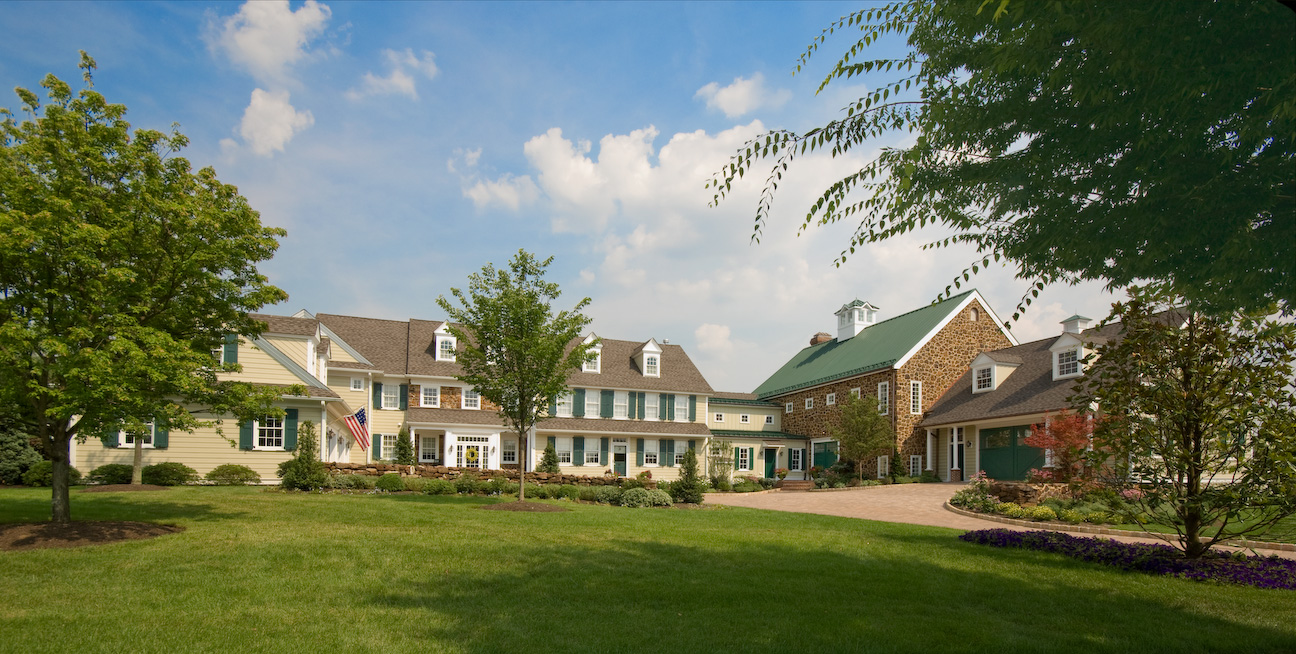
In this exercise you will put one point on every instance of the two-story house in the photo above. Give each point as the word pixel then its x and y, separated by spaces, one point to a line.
pixel 753 428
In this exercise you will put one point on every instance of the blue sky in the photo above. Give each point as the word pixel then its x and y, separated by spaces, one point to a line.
pixel 404 145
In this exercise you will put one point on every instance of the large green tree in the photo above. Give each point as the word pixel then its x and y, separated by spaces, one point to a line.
pixel 1198 420
pixel 1087 140
pixel 517 352
pixel 121 271
pixel 863 432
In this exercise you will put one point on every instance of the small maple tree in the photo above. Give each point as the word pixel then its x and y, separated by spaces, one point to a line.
pixel 1065 436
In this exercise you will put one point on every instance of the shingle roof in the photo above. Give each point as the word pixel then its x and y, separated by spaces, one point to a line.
pixel 287 325
pixel 453 416
pixel 384 342
pixel 603 426
pixel 422 350
pixel 314 391
pixel 618 369
pixel 878 346
pixel 1029 389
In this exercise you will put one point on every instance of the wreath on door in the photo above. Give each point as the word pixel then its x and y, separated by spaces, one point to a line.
pixel 472 455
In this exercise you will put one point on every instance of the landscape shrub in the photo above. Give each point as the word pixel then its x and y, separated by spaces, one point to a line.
pixel 17 456
pixel 404 448
pixel 1099 518
pixel 746 487
pixel 169 473
pixel 42 474
pixel 439 487
pixel 492 486
pixel 304 471
pixel 548 462
pixel 766 483
pixel 608 495
pixel 467 484
pixel 976 495
pixel 1071 515
pixel 569 491
pixel 659 497
pixel 636 498
pixel 627 483
pixel 354 482
pixel 416 484
pixel 232 474
pixel 535 491
pixel 111 473
pixel 589 493
pixel 723 485
pixel 1042 513
pixel 390 482
pixel 1010 510
pixel 929 477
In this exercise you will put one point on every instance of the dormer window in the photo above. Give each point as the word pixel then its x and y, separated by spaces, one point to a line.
pixel 983 379
pixel 594 355
pixel 1067 364
pixel 650 366
pixel 1068 355
pixel 592 362
pixel 648 358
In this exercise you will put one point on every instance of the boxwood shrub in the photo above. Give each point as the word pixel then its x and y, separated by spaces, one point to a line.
pixel 636 498
pixel 390 482
pixel 439 487
pixel 659 497
pixel 232 474
pixel 608 495
pixel 170 473
pixel 42 474
pixel 112 473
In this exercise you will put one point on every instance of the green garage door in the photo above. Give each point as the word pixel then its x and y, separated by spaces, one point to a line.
pixel 825 454
pixel 1005 454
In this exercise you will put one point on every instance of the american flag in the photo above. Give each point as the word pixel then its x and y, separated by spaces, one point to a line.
pixel 359 427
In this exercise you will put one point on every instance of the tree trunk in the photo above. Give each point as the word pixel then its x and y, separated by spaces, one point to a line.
pixel 524 453
pixel 137 463
pixel 60 503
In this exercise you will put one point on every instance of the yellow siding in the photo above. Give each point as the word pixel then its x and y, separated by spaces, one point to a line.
pixel 295 348
pixel 659 472
pixel 339 356
pixel 733 418
pixel 201 450
pixel 258 367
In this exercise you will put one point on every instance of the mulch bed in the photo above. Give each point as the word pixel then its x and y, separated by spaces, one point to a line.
pixel 528 507
pixel 41 535
pixel 115 488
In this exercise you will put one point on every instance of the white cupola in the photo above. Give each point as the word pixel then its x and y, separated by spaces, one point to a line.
pixel 1075 324
pixel 854 317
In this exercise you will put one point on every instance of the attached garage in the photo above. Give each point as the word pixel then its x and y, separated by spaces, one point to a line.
pixel 1005 454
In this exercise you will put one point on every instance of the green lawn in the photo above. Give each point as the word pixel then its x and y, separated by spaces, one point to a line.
pixel 261 571
pixel 1283 531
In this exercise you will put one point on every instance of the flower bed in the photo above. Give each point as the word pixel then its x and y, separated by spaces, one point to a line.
pixel 1257 571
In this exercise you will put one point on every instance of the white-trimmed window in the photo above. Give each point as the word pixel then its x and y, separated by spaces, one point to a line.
pixel 973 314
pixel 884 397
pixel 621 404
pixel 719 417
pixel 128 440
pixel 681 408
pixel 787 408
pixel 269 433
pixel 983 379
pixel 430 396
pixel 915 465
pixel 592 451
pixel 564 402
pixel 680 448
pixel 744 458
pixel 593 403
pixel 884 466
pixel 831 399
pixel 391 396
pixel 915 397
pixel 446 348
pixel 794 459
pixel 357 383
pixel 471 399
pixel 769 420
pixel 1068 363
pixel 427 448
pixel 650 452
pixel 564 448
pixel 744 418
pixel 855 393
pixel 651 366
pixel 508 453
pixel 592 362
pixel 650 406
pixel 809 402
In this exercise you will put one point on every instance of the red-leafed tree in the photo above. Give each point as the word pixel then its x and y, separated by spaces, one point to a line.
pixel 1065 436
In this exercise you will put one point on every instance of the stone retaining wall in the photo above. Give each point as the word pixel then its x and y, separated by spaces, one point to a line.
pixel 443 472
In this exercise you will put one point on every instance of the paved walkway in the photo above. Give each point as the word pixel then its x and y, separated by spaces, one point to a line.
pixel 917 504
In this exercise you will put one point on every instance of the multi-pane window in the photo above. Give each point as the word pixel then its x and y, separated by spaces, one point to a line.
pixel 795 456
pixel 431 396
pixel 127 439
pixel 831 399
pixel 1068 363
pixel 446 349
pixel 650 406
pixel 650 365
pixel 915 465
pixel 884 397
pixel 592 362
pixel 592 452
pixel 744 458
pixel 883 466
pixel 564 447
pixel 564 402
pixel 744 418
pixel 681 408
pixel 984 378
pixel 509 452
pixel 270 433
pixel 427 448
pixel 471 399
pixel 787 408
pixel 391 396
pixel 769 420
pixel 809 402
pixel 650 452
pixel 915 397
pixel 591 403
pixel 719 417
pixel 680 448
pixel 357 383
pixel 855 393
pixel 621 404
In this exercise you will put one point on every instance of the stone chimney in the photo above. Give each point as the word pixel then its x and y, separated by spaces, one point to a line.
pixel 1075 324
pixel 821 337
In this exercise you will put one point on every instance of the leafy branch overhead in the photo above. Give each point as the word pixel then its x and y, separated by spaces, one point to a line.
pixel 1112 141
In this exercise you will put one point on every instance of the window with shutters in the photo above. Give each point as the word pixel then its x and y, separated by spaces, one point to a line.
pixel 445 348
pixel 509 452
pixel 471 399
pixel 591 403
pixel 884 397
pixel 269 433
pixel 650 366
pixel 831 399
pixel 915 397
pixel 128 440
pixel 681 408
pixel 650 452
pixel 430 396
pixel 650 406
pixel 564 402
pixel 769 420
pixel 744 458
pixel 357 383
pixel 592 451
pixel 564 447
pixel 621 404
pixel 795 459
pixel 680 448
pixel 391 396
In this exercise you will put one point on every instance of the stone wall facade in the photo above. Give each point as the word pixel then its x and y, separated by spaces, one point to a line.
pixel 451 398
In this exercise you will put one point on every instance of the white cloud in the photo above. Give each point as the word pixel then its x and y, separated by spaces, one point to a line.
pixel 713 339
pixel 270 122
pixel 743 96
pixel 508 191
pixel 267 38
pixel 403 66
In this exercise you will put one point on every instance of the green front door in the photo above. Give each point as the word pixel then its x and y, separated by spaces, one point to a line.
pixel 619 459
pixel 825 454
pixel 771 462
pixel 1005 454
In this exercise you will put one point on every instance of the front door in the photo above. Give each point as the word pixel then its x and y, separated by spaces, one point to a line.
pixel 771 462
pixel 619 459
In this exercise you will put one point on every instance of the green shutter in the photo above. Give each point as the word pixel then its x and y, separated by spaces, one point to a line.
pixel 109 438
pixel 404 397
pixel 639 447
pixel 693 446
pixel 578 403
pixel 631 404
pixel 290 429
pixel 160 438
pixel 661 406
pixel 578 451
pixel 245 435
pixel 603 451
pixel 231 348
pixel 670 453
pixel 670 407
pixel 692 408
pixel 377 395
pixel 553 442
pixel 553 407
pixel 643 400
pixel 751 458
pixel 377 447
pixel 605 404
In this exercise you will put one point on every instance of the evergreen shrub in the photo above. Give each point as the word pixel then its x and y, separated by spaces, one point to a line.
pixel 170 473
pixel 42 474
pixel 111 473
pixel 390 482
pixel 232 474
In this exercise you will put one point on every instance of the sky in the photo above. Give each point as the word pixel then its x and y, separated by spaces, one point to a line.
pixel 405 145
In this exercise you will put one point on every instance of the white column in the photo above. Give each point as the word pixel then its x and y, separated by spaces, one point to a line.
pixel 449 448
pixel 930 446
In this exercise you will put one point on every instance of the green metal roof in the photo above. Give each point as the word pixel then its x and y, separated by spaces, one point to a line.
pixel 878 347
